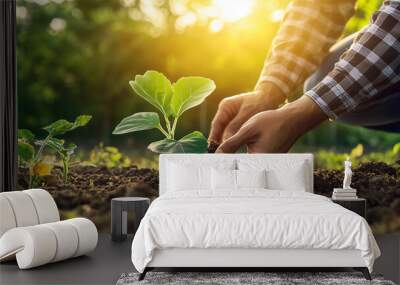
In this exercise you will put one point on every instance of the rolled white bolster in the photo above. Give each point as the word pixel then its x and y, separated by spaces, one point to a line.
pixel 87 235
pixel 33 246
pixel 7 218
pixel 23 208
pixel 45 205
pixel 40 244
pixel 67 240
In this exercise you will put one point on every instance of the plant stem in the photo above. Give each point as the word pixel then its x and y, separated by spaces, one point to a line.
pixel 168 124
pixel 36 159
pixel 163 131
pixel 65 170
pixel 174 127
pixel 39 153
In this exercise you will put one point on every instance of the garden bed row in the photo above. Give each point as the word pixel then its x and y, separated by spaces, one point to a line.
pixel 90 189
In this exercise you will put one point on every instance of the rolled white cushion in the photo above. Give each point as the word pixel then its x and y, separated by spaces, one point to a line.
pixel 7 218
pixel 66 238
pixel 87 235
pixel 33 246
pixel 23 208
pixel 40 244
pixel 45 205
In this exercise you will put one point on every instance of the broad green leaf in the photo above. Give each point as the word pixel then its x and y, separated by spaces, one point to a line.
pixel 190 92
pixel 62 126
pixel 81 121
pixel 155 88
pixel 26 135
pixel 59 127
pixel 137 122
pixel 194 142
pixel 25 151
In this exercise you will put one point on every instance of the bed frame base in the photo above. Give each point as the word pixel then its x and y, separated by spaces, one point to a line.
pixel 143 274
pixel 250 259
pixel 363 270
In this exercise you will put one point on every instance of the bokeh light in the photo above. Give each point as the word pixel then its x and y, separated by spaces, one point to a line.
pixel 232 10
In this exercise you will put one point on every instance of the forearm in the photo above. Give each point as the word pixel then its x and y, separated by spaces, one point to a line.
pixel 270 92
pixel 303 115
pixel 308 30
pixel 366 69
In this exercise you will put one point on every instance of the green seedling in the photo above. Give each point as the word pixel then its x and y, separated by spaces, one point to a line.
pixel 33 159
pixel 171 100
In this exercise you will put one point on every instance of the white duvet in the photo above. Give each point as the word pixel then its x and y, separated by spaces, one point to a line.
pixel 250 219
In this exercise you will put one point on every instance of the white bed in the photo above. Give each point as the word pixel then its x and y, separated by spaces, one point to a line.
pixel 195 224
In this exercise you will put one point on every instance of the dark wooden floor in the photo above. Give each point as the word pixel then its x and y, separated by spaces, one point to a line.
pixel 110 260
pixel 103 266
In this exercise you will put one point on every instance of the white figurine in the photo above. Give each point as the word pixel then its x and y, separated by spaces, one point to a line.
pixel 347 174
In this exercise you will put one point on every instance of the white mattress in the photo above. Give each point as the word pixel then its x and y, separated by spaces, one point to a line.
pixel 252 219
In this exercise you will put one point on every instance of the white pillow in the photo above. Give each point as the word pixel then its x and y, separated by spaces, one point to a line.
pixel 185 177
pixel 281 174
pixel 226 179
pixel 223 179
pixel 194 174
pixel 251 178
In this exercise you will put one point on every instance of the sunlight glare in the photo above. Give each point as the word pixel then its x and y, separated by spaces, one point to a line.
pixel 216 26
pixel 232 10
pixel 185 21
pixel 277 15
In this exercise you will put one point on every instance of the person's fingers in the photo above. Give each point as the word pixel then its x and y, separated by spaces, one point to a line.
pixel 235 125
pixel 232 144
pixel 220 121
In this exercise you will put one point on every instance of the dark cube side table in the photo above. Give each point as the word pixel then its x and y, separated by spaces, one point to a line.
pixel 119 215
pixel 357 205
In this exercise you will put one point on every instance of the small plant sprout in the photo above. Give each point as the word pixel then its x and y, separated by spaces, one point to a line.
pixel 171 100
pixel 33 159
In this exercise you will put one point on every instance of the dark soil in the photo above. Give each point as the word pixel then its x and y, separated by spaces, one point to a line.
pixel 378 182
pixel 212 147
pixel 90 189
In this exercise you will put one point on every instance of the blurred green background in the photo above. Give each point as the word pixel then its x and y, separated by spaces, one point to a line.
pixel 77 56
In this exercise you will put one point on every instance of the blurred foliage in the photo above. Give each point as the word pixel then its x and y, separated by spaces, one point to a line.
pixel 333 160
pixel 108 156
pixel 77 56
pixel 364 11
pixel 112 157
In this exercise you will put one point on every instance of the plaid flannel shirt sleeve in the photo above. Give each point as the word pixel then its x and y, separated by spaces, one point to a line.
pixel 308 30
pixel 367 68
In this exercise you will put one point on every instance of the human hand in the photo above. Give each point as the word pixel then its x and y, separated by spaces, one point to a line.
pixel 234 111
pixel 277 130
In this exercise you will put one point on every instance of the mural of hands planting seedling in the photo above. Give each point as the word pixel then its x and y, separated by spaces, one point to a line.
pixel 171 100
pixel 31 150
pixel 87 188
